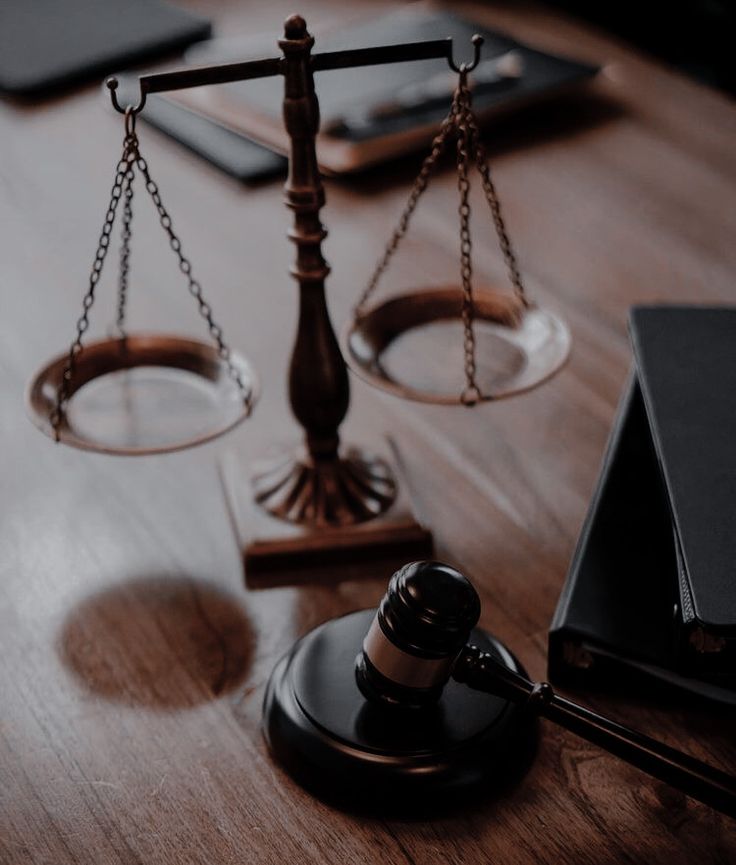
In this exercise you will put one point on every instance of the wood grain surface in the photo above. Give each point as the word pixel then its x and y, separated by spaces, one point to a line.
pixel 133 660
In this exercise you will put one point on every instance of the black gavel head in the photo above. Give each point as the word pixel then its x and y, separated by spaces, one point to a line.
pixel 422 624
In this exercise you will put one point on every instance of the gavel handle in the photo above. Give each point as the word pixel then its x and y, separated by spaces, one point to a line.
pixel 709 785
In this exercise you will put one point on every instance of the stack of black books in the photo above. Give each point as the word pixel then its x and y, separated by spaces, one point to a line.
pixel 652 584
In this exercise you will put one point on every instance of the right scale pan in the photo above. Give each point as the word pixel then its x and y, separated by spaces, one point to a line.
pixel 453 344
pixel 414 346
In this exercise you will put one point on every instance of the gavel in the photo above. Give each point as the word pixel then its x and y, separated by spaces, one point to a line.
pixel 413 702
pixel 417 642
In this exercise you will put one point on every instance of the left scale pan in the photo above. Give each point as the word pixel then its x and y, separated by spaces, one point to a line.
pixel 144 394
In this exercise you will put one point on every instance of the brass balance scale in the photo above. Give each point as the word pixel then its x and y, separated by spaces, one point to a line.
pixel 324 505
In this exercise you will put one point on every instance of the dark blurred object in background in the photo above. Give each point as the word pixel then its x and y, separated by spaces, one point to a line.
pixel 697 36
pixel 46 45
pixel 371 116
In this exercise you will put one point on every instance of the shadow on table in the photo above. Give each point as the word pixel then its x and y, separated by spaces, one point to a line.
pixel 161 642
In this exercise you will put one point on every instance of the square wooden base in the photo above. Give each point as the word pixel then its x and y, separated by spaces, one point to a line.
pixel 279 553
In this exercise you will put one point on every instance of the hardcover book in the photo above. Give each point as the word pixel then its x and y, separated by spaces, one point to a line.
pixel 652 584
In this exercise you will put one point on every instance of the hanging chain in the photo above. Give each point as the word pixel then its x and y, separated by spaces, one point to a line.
pixel 62 393
pixel 195 289
pixel 123 188
pixel 420 184
pixel 471 392
pixel 125 250
pixel 507 250
pixel 462 122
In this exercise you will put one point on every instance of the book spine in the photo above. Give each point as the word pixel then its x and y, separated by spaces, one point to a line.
pixel 567 659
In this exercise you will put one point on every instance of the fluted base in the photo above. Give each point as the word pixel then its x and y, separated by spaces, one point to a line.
pixel 351 489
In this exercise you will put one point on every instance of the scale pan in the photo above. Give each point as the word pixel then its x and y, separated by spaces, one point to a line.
pixel 413 345
pixel 145 394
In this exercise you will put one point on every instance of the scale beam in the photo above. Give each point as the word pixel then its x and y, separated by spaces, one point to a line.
pixel 224 73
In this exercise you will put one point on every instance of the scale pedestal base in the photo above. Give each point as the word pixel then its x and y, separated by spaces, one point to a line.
pixel 338 745
pixel 277 552
pixel 341 491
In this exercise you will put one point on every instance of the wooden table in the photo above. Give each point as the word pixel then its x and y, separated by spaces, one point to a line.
pixel 132 659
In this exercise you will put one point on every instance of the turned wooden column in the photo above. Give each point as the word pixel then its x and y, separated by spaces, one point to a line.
pixel 317 485
pixel 319 390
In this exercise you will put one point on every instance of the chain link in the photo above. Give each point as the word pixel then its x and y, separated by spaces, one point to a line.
pixel 471 393
pixel 123 188
pixel 125 250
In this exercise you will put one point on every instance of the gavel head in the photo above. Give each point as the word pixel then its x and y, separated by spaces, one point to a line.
pixel 422 624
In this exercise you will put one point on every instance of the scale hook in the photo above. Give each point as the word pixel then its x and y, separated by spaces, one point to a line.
pixel 112 86
pixel 477 41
